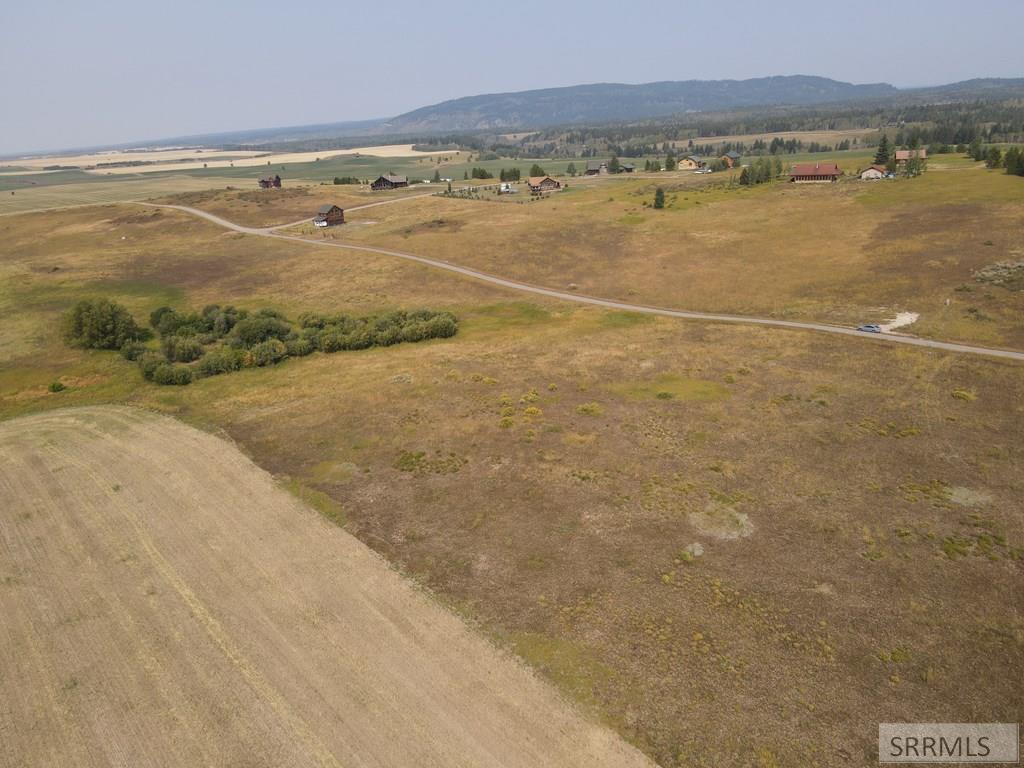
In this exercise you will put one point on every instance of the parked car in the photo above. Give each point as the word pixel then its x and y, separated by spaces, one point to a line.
pixel 870 328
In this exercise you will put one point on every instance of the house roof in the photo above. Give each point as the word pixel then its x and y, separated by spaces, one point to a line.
pixel 327 208
pixel 881 168
pixel 910 154
pixel 533 181
pixel 595 165
pixel 733 154
pixel 815 169
pixel 627 165
pixel 393 179
pixel 695 158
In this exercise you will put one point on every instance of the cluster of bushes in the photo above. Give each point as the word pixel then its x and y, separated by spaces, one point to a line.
pixel 346 180
pixel 224 339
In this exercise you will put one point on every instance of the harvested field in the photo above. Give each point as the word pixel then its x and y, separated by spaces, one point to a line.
pixel 165 603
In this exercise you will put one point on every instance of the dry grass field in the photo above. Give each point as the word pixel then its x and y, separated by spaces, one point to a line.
pixel 848 253
pixel 736 546
pixel 165 603
pixel 272 207
pixel 99 192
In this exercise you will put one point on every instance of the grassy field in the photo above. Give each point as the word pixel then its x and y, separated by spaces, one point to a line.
pixel 685 526
pixel 846 253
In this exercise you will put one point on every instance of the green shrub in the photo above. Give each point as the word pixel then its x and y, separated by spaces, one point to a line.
pixel 182 350
pixel 100 324
pixel 223 360
pixel 148 363
pixel 253 330
pixel 56 386
pixel 267 352
pixel 132 350
pixel 176 375
pixel 299 347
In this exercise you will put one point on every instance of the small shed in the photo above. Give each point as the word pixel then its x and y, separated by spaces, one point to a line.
pixel 389 181
pixel 270 182
pixel 596 168
pixel 874 172
pixel 627 168
pixel 328 216
pixel 691 162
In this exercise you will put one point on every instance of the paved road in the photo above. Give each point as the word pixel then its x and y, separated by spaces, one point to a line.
pixel 887 338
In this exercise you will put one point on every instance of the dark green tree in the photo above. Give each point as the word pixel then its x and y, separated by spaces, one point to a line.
pixel 571 169
pixel 882 155
pixel 994 157
pixel 670 163
pixel 536 170
pixel 659 198
pixel 100 324
pixel 437 177
pixel 614 166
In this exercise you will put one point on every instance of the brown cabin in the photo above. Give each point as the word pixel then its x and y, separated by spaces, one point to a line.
pixel 268 182
pixel 730 158
pixel 389 182
pixel 540 184
pixel 806 173
pixel 903 156
pixel 328 216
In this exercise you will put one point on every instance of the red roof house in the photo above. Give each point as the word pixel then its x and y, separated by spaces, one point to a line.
pixel 814 172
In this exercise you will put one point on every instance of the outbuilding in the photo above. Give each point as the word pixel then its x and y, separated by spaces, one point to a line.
pixel 269 182
pixel 596 168
pixel 328 216
pixel 874 172
pixel 692 162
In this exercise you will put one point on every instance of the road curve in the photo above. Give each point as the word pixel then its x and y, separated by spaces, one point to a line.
pixel 538 290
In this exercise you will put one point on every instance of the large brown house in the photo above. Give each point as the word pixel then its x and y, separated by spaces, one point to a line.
pixel 328 216
pixel 806 173
pixel 543 184
pixel 266 182
pixel 389 182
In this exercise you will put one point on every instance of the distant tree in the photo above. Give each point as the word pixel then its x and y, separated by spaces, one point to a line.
pixel 614 166
pixel 659 198
pixel 976 150
pixel 745 176
pixel 670 163
pixel 437 177
pixel 571 169
pixel 465 175
pixel 993 158
pixel 536 170
pixel 1013 161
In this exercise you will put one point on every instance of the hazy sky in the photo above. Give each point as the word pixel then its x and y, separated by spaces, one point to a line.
pixel 78 73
